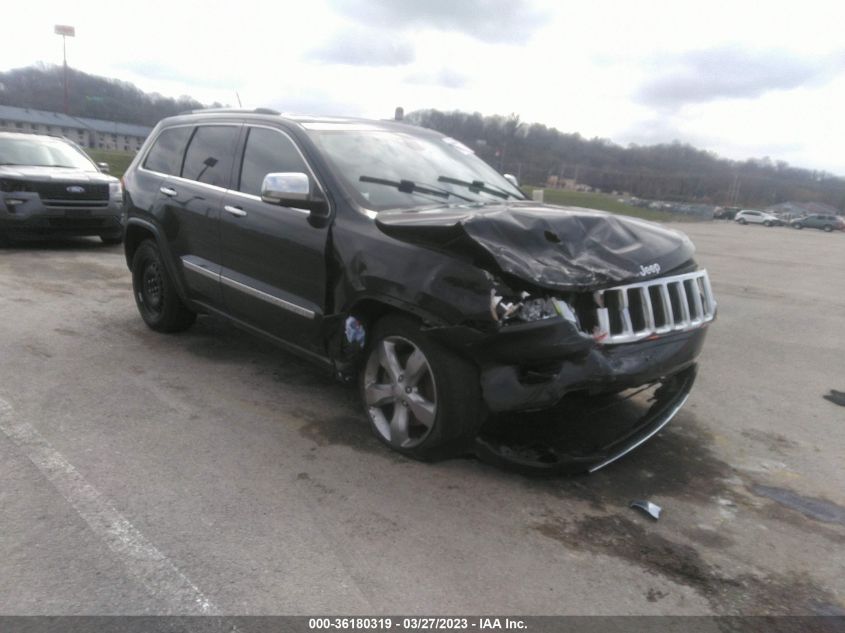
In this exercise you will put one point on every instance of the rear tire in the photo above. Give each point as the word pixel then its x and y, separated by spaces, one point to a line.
pixel 827 228
pixel 421 399
pixel 767 223
pixel 155 293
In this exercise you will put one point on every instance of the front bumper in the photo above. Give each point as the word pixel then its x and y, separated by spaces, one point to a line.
pixel 533 365
pixel 534 451
pixel 29 215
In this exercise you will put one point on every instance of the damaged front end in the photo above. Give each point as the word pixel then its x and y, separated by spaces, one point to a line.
pixel 547 345
pixel 550 305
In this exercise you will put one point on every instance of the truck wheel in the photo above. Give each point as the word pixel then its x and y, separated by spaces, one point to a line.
pixel 155 294
pixel 421 399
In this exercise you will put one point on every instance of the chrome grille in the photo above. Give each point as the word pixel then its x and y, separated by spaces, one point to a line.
pixel 670 304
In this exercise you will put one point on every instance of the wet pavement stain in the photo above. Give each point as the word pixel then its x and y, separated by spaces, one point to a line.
pixel 811 507
pixel 774 442
pixel 679 462
pixel 773 594
pixel 343 430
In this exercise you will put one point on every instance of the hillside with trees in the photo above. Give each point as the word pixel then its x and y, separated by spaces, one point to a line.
pixel 534 152
pixel 41 87
pixel 672 172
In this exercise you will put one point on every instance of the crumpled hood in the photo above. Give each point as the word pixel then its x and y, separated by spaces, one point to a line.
pixel 50 174
pixel 561 248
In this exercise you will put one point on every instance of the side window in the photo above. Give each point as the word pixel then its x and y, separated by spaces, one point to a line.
pixel 166 154
pixel 210 154
pixel 267 151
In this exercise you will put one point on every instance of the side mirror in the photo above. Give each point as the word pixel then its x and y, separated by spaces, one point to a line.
pixel 512 179
pixel 103 167
pixel 294 189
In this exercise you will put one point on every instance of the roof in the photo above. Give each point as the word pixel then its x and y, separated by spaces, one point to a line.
pixel 40 117
pixel 113 127
pixel 307 121
pixel 44 117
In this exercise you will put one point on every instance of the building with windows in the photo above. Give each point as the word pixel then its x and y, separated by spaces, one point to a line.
pixel 92 133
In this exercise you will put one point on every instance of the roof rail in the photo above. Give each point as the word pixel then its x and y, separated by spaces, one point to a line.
pixel 233 110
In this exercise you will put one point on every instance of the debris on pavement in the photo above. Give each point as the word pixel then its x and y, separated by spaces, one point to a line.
pixel 836 397
pixel 651 509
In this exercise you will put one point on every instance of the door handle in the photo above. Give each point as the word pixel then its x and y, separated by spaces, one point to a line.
pixel 167 191
pixel 236 211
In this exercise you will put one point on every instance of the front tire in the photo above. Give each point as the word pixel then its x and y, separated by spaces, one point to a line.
pixel 421 399
pixel 742 221
pixel 155 293
pixel 767 223
pixel 827 228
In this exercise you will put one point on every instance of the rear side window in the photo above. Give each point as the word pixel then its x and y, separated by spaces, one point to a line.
pixel 166 154
pixel 210 154
pixel 267 151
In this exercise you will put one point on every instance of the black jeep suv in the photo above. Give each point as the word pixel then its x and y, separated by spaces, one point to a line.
pixel 392 253
pixel 48 185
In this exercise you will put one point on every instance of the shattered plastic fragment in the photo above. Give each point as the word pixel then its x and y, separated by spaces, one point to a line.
pixel 651 509
pixel 355 331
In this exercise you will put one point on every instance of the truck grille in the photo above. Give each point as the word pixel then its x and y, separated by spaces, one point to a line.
pixel 60 190
pixel 638 311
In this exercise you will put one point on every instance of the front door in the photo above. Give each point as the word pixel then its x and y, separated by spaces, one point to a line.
pixel 274 272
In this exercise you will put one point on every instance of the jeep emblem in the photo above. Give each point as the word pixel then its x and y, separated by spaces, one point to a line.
pixel 75 189
pixel 652 269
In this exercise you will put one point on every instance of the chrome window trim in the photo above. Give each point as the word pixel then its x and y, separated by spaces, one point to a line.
pixel 254 198
pixel 173 127
pixel 247 196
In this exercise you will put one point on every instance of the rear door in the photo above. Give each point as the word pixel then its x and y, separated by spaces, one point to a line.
pixel 274 271
pixel 193 203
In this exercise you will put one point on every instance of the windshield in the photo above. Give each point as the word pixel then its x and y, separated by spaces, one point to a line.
pixel 43 151
pixel 389 169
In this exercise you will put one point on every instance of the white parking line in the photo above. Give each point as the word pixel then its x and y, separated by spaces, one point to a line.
pixel 142 559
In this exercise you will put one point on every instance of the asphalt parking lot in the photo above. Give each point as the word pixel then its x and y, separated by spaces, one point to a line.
pixel 207 473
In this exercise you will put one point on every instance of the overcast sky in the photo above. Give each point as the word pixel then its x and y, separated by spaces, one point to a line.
pixel 744 79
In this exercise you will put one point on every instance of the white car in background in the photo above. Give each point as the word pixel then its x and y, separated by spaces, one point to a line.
pixel 749 216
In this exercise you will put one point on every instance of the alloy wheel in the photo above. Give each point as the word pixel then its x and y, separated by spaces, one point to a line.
pixel 400 392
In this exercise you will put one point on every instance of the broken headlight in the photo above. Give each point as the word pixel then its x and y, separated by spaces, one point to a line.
pixel 527 308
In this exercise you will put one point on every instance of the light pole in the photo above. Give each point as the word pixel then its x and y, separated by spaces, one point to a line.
pixel 66 32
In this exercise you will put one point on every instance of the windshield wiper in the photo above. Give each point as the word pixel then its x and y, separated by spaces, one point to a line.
pixel 409 186
pixel 477 185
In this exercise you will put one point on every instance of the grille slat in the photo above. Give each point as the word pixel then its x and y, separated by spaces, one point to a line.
pixel 682 301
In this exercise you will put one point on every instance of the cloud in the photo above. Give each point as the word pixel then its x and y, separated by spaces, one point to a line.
pixel 731 72
pixel 445 78
pixel 493 21
pixel 364 47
